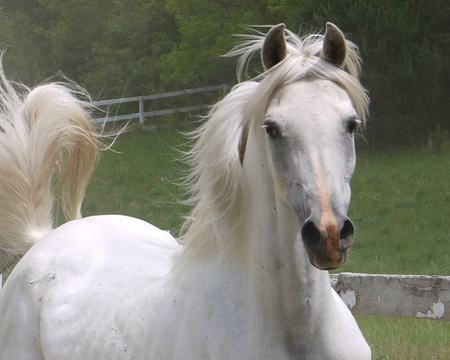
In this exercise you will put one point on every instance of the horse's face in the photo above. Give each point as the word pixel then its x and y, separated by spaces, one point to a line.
pixel 309 135
pixel 309 128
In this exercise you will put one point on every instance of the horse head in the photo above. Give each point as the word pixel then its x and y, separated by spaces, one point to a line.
pixel 309 126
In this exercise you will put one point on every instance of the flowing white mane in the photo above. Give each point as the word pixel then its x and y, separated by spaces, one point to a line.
pixel 215 179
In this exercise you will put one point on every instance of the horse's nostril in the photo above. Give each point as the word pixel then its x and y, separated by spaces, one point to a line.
pixel 347 230
pixel 310 233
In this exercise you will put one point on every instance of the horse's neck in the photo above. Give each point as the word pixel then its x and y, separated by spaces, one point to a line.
pixel 288 292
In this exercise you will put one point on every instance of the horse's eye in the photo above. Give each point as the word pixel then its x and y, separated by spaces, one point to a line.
pixel 272 129
pixel 352 124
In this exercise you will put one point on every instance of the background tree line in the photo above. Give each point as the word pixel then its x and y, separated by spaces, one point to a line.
pixel 124 48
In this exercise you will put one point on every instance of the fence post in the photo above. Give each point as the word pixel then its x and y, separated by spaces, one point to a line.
pixel 224 89
pixel 141 110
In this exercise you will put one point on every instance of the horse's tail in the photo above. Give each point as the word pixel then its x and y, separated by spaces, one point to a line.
pixel 48 151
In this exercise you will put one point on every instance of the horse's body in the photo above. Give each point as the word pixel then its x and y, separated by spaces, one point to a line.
pixel 247 284
pixel 96 288
pixel 85 284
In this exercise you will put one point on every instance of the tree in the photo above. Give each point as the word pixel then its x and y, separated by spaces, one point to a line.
pixel 206 30
pixel 23 38
pixel 128 60
pixel 136 47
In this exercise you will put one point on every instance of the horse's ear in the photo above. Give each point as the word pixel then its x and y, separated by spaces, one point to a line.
pixel 334 49
pixel 274 48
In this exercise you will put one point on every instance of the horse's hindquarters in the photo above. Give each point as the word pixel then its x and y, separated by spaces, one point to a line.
pixel 85 291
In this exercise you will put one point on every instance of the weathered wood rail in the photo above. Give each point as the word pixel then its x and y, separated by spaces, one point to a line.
pixel 141 115
pixel 417 296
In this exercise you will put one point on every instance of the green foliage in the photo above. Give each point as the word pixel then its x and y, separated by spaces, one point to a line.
pixel 404 45
pixel 73 29
pixel 128 59
pixel 120 48
pixel 206 30
pixel 23 36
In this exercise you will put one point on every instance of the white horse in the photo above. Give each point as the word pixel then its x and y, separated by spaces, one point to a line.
pixel 270 188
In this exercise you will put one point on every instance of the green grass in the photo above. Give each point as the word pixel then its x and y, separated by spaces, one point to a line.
pixel 400 207
pixel 139 179
pixel 406 339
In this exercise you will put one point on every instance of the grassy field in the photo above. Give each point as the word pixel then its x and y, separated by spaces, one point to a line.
pixel 406 339
pixel 138 179
pixel 400 207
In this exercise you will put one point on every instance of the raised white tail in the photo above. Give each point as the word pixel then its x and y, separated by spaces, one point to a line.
pixel 48 151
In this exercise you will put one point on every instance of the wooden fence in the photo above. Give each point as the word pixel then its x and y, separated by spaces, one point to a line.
pixel 417 296
pixel 142 114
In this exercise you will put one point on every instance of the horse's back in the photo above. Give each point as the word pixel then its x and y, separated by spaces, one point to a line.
pixel 88 283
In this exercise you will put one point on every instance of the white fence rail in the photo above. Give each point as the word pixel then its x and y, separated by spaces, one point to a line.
pixel 417 296
pixel 141 115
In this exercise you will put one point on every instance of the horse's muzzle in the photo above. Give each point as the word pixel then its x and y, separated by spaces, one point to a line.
pixel 327 244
